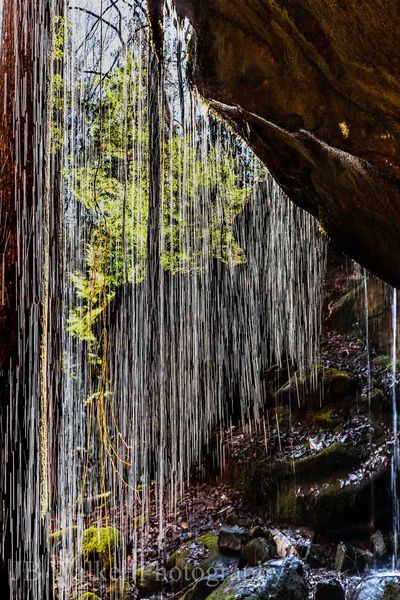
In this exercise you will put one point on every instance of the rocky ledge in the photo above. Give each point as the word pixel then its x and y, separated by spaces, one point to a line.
pixel 313 87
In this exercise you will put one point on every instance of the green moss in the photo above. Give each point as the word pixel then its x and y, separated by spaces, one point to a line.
pixel 101 543
pixel 328 461
pixel 88 596
pixel 383 361
pixel 57 536
pixel 182 559
pixel 308 384
pixel 210 540
pixel 326 418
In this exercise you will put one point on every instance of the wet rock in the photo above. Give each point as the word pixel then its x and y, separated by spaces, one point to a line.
pixel 329 589
pixel 352 559
pixel 380 403
pixel 315 555
pixel 341 507
pixel 203 587
pixel 334 458
pixel 197 559
pixel 148 582
pixel 257 551
pixel 284 545
pixel 194 551
pixel 232 539
pixel 378 544
pixel 258 532
pixel 282 580
pixel 312 388
pixel 347 315
pixel 382 586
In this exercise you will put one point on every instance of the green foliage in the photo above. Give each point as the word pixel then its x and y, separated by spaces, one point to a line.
pixel 59 33
pixel 113 187
pixel 57 99
pixel 88 596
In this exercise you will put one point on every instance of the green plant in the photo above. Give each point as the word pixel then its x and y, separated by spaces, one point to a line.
pixel 113 188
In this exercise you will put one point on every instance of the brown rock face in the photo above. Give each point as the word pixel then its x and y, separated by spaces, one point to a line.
pixel 314 88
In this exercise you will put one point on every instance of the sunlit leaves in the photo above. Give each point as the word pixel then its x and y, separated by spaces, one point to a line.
pixel 202 195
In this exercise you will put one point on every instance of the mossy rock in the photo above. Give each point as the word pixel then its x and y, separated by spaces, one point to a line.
pixel 203 587
pixel 337 506
pixel 379 402
pixel 326 418
pixel 257 551
pixel 101 544
pixel 283 581
pixel 382 361
pixel 308 491
pixel 190 555
pixel 330 461
pixel 184 554
pixel 89 596
pixel 148 582
pixel 315 387
pixel 344 315
pixel 197 558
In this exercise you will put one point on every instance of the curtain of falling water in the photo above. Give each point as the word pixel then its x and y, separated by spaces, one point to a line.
pixel 26 477
pixel 220 320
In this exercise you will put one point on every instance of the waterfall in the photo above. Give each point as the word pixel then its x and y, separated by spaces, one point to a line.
pixel 150 361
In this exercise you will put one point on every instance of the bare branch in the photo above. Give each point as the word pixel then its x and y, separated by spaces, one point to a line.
pixel 100 18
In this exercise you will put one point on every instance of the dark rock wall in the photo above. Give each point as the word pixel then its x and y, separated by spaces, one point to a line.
pixel 313 87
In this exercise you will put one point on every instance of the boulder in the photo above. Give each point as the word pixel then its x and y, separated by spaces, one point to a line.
pixel 378 544
pixel 314 555
pixel 284 545
pixel 384 586
pixel 282 580
pixel 257 552
pixel 198 558
pixel 148 582
pixel 350 559
pixel 100 546
pixel 259 532
pixel 232 539
pixel 312 388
